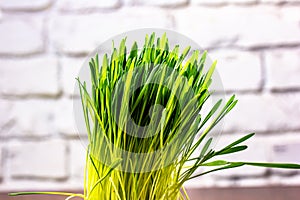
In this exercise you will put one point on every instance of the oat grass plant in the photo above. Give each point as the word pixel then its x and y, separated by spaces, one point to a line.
pixel 177 134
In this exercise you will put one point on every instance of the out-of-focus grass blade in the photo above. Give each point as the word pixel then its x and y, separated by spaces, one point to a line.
pixel 239 141
pixel 274 165
pixel 46 193
pixel 232 150
pixel 205 148
pixel 215 163
pixel 229 166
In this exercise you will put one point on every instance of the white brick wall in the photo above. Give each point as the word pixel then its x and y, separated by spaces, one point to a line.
pixel 21 35
pixel 252 182
pixel 70 5
pixel 265 113
pixel 5 116
pixel 223 2
pixel 64 117
pixel 285 181
pixel 30 5
pixel 281 75
pixel 34 76
pixel 78 34
pixel 43 43
pixel 239 2
pixel 239 26
pixel 173 3
pixel 238 70
pixel 70 68
pixel 285 149
pixel 32 118
pixel 31 159
pixel 1 163
pixel 77 161
pixel 38 118
pixel 280 1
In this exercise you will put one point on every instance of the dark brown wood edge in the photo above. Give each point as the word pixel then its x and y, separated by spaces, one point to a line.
pixel 253 193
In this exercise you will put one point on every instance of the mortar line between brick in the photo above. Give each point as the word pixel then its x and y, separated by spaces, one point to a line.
pixel 6 162
pixel 268 133
pixel 67 160
pixel 61 96
pixel 263 71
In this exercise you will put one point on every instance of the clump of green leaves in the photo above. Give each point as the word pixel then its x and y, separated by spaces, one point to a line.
pixel 133 84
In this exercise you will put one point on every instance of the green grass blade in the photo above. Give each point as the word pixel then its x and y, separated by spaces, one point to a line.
pixel 46 193
pixel 274 165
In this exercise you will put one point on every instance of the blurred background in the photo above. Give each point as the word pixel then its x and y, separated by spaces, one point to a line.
pixel 43 43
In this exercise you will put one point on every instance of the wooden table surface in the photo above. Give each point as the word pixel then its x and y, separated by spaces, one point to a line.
pixel 255 193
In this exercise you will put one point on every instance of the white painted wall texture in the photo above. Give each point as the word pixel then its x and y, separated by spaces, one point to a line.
pixel 44 42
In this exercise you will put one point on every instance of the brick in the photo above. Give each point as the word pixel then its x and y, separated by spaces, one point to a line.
pixel 209 181
pixel 266 112
pixel 78 118
pixel 287 181
pixel 201 182
pixel 25 5
pixel 70 68
pixel 64 119
pixel 32 76
pixel 32 118
pixel 285 149
pixel 69 5
pixel 46 159
pixel 162 2
pixel 225 183
pixel 6 119
pixel 287 153
pixel 239 26
pixel 77 34
pixel 222 2
pixel 1 163
pixel 283 69
pixel 256 152
pixel 279 1
pixel 21 36
pixel 252 182
pixel 238 70
pixel 27 184
pixel 77 161
pixel 128 2
pixel 39 117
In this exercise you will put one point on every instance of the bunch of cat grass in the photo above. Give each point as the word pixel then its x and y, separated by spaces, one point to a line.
pixel 146 127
